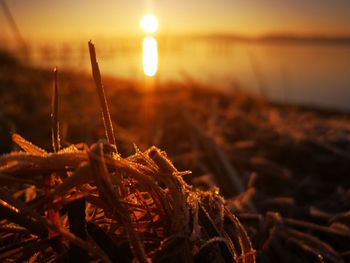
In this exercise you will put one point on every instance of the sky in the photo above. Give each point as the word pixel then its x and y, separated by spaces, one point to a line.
pixel 82 19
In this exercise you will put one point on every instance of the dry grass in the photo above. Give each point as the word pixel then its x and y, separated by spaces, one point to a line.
pixel 141 200
pixel 283 171
pixel 84 203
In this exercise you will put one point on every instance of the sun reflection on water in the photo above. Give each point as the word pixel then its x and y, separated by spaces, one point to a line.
pixel 150 56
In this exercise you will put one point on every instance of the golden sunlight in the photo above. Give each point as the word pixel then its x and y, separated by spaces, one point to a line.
pixel 149 24
pixel 150 56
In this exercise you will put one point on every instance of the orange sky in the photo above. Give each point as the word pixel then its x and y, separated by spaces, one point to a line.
pixel 73 20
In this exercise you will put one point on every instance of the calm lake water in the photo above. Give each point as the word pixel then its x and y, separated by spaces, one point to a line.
pixel 302 73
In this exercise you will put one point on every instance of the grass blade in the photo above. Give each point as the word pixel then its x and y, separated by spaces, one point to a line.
pixel 101 94
pixel 54 115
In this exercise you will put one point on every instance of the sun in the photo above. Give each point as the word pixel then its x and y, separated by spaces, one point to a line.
pixel 149 23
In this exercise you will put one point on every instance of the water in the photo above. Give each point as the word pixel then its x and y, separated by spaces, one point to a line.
pixel 302 73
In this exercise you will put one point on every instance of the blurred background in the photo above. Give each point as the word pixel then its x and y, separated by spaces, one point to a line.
pixel 288 51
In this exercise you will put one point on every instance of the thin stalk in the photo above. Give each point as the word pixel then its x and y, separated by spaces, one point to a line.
pixel 49 179
pixel 101 94
pixel 54 115
pixel 77 226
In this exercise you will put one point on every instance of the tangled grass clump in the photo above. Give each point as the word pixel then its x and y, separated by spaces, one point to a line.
pixel 140 201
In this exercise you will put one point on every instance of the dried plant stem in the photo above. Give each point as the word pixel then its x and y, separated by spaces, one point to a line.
pixel 49 179
pixel 26 145
pixel 76 209
pixel 112 198
pixel 25 211
pixel 11 213
pixel 52 215
pixel 54 115
pixel 101 94
pixel 77 226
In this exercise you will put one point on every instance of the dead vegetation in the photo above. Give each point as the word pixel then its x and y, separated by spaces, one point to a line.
pixel 111 205
pixel 83 204
pixel 282 170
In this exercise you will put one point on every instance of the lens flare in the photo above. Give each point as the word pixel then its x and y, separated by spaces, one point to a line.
pixel 149 24
pixel 150 56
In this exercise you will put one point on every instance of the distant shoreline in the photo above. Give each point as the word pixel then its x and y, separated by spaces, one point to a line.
pixel 281 38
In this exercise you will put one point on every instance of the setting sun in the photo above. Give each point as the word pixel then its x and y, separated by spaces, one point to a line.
pixel 149 23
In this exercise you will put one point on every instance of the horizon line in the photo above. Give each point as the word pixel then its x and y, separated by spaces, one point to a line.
pixel 225 36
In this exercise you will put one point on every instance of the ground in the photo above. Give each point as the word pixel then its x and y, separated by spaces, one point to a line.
pixel 281 168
